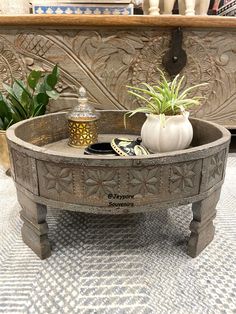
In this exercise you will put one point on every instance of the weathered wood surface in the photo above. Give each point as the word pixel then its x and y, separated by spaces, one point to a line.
pixel 114 185
pixel 202 228
pixel 104 54
pixel 34 230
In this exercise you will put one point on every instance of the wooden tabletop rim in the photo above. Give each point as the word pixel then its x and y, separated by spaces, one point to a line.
pixel 72 21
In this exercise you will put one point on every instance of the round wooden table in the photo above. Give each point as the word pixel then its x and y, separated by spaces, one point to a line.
pixel 48 172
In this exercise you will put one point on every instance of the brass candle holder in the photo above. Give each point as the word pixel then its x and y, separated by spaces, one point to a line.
pixel 82 123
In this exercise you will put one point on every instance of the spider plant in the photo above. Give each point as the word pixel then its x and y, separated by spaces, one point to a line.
pixel 164 98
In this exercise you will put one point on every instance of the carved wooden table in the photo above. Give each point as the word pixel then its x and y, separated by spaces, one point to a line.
pixel 49 173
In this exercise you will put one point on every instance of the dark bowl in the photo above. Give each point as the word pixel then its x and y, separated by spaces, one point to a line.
pixel 100 149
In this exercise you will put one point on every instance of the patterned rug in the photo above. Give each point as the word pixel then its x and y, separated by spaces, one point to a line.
pixel 119 265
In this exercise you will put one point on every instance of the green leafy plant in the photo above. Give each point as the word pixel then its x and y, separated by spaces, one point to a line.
pixel 27 100
pixel 164 98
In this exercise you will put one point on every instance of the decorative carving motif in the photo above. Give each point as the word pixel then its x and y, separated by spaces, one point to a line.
pixel 216 167
pixel 104 62
pixel 199 69
pixel 150 58
pixel 22 166
pixel 101 182
pixel 182 177
pixel 10 63
pixel 109 57
pixel 213 168
pixel 39 45
pixel 145 181
pixel 59 179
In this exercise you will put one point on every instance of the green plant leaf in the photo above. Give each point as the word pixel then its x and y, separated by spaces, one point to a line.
pixel 39 110
pixel 55 71
pixel 23 87
pixel 18 108
pixel 24 101
pixel 17 90
pixel 9 90
pixel 142 90
pixel 6 122
pixel 2 127
pixel 40 104
pixel 41 88
pixel 5 110
pixel 16 102
pixel 186 91
pixel 133 112
pixel 50 81
pixel 16 117
pixel 139 96
pixel 24 97
pixel 42 98
pixel 164 98
pixel 163 120
pixel 52 94
pixel 34 78
pixel 179 86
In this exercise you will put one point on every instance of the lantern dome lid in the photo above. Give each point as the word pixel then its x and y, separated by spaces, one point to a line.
pixel 83 111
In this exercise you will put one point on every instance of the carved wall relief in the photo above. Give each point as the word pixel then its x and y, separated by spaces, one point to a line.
pixel 11 63
pixel 104 62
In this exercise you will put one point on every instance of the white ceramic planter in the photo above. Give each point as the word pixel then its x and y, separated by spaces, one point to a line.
pixel 10 7
pixel 175 134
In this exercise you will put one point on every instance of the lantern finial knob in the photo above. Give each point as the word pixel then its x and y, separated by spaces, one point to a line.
pixel 82 92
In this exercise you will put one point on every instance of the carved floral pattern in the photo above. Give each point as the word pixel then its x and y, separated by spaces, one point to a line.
pixel 22 167
pixel 101 182
pixel 182 177
pixel 10 63
pixel 145 181
pixel 198 70
pixel 106 61
pixel 109 58
pixel 216 167
pixel 59 179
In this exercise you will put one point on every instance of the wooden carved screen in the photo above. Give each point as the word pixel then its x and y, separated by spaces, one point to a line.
pixel 105 61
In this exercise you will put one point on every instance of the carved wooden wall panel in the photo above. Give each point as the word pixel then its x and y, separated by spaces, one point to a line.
pixel 105 61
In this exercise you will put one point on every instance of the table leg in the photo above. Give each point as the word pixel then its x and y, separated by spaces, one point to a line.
pixel 35 228
pixel 202 228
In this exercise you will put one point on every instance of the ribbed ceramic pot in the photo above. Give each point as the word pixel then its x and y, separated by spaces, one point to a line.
pixel 175 133
pixel 14 7
pixel 4 154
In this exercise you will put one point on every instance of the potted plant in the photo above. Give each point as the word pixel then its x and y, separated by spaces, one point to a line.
pixel 24 101
pixel 167 127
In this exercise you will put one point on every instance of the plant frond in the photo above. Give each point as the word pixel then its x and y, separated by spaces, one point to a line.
pixel 165 97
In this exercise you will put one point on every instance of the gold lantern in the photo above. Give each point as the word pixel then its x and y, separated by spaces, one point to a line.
pixel 82 122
